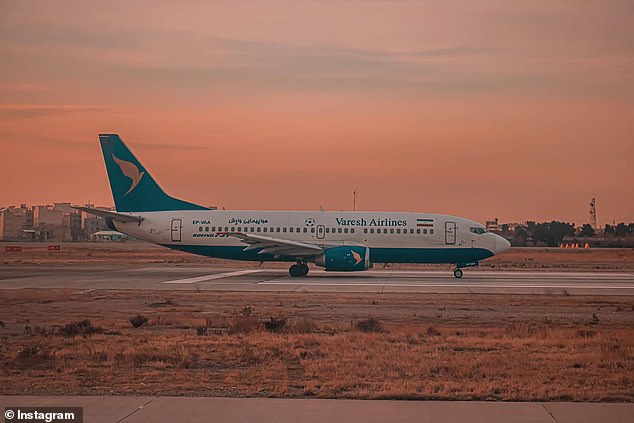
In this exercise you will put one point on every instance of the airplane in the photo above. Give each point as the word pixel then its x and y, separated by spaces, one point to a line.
pixel 337 241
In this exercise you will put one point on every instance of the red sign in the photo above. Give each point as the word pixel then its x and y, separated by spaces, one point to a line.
pixel 13 249
pixel 54 247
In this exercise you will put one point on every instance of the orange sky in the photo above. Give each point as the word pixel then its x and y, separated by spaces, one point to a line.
pixel 516 110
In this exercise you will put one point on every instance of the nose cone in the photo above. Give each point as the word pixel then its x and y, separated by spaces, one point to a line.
pixel 501 245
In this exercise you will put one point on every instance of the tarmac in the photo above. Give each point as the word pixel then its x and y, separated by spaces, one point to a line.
pixel 188 277
pixel 99 409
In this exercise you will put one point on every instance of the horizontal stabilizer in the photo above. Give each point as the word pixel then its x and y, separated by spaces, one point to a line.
pixel 106 214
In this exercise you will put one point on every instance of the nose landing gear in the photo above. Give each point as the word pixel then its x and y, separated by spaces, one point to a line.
pixel 298 270
pixel 457 272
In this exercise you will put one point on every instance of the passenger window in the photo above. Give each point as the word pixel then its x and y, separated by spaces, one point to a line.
pixel 371 230
pixel 206 228
pixel 200 229
pixel 290 229
pixel 284 229
pixel 391 231
pixel 327 230
pixel 398 231
pixel 264 229
pixel 339 230
pixel 365 230
pixel 345 230
pixel 312 230
pixel 239 229
pixel 411 231
pixel 431 231
pixel 384 231
pixel 213 229
pixel 425 231
pixel 418 231
pixel 226 229
pixel 277 230
pixel 259 229
pixel 305 230
pixel 351 230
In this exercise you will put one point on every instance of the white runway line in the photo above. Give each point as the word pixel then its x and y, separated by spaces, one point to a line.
pixel 456 285
pixel 213 277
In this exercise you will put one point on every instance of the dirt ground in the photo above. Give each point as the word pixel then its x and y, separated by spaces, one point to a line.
pixel 491 347
pixel 594 259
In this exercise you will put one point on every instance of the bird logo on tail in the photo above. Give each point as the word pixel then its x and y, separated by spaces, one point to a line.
pixel 131 171
pixel 357 257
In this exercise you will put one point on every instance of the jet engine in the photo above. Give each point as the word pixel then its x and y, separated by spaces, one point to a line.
pixel 347 258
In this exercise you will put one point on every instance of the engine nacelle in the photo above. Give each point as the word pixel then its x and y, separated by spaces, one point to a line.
pixel 347 258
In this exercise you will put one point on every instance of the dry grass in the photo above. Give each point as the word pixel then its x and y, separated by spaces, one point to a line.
pixel 428 347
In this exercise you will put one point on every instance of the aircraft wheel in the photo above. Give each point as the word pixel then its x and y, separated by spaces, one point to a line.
pixel 457 273
pixel 304 268
pixel 297 271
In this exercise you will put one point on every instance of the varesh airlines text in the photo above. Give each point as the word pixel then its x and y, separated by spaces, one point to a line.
pixel 371 222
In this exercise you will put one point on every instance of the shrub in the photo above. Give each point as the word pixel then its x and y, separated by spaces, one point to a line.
pixel 370 325
pixel 138 321
pixel 275 325
pixel 83 327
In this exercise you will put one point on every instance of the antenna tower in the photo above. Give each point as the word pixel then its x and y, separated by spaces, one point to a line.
pixel 354 200
pixel 593 214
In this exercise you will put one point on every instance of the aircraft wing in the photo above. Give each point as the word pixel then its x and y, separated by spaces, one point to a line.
pixel 277 246
pixel 106 214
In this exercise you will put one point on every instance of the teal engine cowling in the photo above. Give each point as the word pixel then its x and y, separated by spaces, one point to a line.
pixel 347 258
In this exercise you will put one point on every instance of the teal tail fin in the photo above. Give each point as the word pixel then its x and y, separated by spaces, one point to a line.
pixel 133 188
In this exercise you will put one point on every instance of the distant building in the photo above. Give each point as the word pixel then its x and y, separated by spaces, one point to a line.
pixel 109 236
pixel 92 223
pixel 57 222
pixel 492 225
pixel 14 221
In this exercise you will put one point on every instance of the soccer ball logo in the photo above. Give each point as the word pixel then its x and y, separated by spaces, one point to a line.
pixel 310 221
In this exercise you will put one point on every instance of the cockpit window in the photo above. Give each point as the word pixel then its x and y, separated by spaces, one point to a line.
pixel 477 230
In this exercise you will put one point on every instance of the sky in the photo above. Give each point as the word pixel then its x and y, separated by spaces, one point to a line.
pixel 516 110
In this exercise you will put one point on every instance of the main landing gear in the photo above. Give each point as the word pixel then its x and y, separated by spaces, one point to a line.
pixel 298 270
pixel 457 273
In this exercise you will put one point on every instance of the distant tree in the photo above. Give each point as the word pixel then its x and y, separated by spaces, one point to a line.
pixel 609 229
pixel 621 229
pixel 519 237
pixel 552 233
pixel 587 230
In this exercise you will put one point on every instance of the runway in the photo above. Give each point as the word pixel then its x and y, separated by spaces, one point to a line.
pixel 199 409
pixel 188 277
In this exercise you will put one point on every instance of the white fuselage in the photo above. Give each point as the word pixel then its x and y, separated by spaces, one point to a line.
pixel 390 236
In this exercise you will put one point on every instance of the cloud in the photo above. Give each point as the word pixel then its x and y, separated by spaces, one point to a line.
pixel 36 140
pixel 25 111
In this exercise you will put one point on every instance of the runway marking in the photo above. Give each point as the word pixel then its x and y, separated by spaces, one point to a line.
pixel 451 285
pixel 213 277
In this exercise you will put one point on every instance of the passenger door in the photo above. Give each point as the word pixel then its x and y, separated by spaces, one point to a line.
pixel 321 231
pixel 450 233
pixel 177 228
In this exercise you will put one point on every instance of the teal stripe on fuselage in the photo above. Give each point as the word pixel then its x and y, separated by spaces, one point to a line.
pixel 377 255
